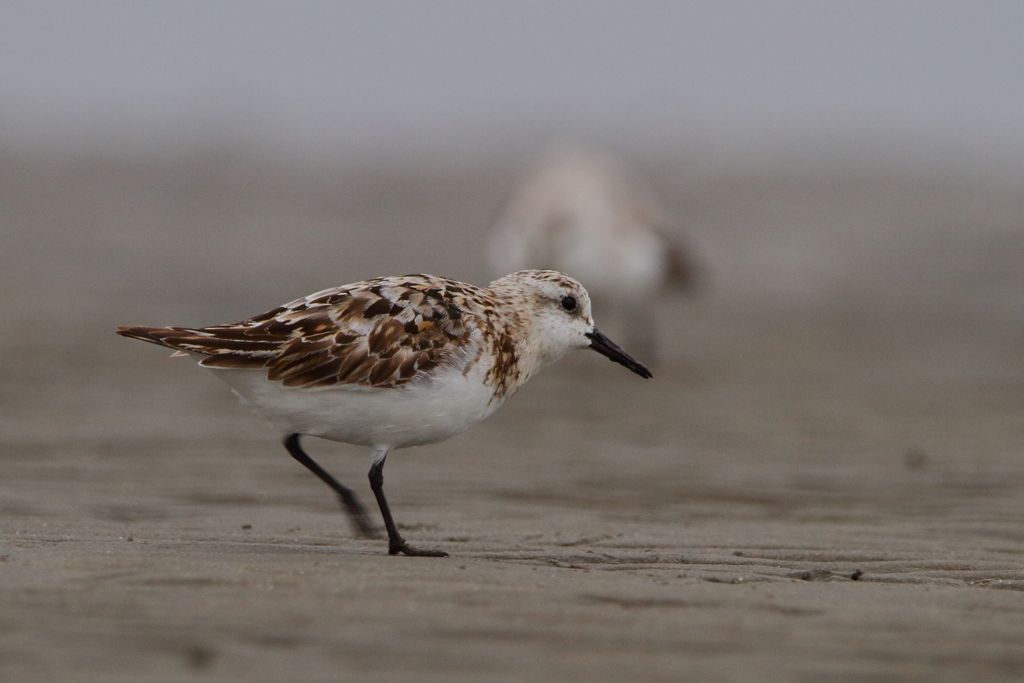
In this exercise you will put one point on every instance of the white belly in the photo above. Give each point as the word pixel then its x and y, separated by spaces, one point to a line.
pixel 410 415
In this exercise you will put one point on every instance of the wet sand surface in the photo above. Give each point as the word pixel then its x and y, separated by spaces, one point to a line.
pixel 824 481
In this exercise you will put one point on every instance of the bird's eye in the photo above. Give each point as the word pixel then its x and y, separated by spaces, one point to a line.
pixel 569 303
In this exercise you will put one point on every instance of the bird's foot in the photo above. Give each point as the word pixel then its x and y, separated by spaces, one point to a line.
pixel 364 530
pixel 398 545
pixel 359 518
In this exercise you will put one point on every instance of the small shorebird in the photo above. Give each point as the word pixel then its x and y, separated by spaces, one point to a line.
pixel 393 362
pixel 581 212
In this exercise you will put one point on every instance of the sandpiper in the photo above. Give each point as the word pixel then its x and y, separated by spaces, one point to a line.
pixel 393 362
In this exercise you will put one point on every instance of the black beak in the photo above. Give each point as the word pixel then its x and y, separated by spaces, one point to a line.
pixel 606 347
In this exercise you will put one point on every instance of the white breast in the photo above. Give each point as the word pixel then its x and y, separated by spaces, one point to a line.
pixel 410 415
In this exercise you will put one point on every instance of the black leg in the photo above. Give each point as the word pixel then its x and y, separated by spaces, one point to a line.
pixel 347 495
pixel 396 544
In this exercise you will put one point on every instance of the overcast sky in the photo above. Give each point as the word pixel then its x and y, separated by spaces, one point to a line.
pixel 385 76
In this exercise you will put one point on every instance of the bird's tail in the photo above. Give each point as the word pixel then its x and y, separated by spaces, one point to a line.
pixel 164 336
pixel 223 346
pixel 177 338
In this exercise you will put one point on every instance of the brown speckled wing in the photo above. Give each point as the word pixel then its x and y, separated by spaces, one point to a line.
pixel 378 333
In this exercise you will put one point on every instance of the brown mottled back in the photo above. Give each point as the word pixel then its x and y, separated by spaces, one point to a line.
pixel 378 333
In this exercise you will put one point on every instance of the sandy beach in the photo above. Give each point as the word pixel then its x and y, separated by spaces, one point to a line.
pixel 823 482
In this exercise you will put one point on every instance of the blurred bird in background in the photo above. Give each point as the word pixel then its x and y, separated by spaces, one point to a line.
pixel 579 211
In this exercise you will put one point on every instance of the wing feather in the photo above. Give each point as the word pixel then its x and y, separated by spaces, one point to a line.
pixel 380 333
